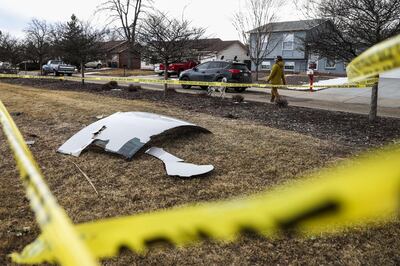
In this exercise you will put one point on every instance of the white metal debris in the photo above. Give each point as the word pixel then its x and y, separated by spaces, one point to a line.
pixel 123 133
pixel 176 166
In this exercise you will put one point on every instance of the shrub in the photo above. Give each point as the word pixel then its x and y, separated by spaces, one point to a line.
pixel 110 85
pixel 238 98
pixel 281 102
pixel 134 88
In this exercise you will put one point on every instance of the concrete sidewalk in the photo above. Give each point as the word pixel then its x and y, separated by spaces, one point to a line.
pixel 355 100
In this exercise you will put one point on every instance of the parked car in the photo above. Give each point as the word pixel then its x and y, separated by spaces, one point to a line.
pixel 7 68
pixel 175 68
pixel 94 64
pixel 215 71
pixel 58 67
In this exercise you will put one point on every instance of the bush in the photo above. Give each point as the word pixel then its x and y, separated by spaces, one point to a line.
pixel 110 85
pixel 281 102
pixel 204 95
pixel 134 88
pixel 238 98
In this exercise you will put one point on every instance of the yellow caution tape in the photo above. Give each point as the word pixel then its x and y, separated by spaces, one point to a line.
pixel 379 58
pixel 58 233
pixel 363 84
pixel 362 191
pixel 366 191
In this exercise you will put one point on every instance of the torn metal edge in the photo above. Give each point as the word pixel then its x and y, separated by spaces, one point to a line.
pixel 175 166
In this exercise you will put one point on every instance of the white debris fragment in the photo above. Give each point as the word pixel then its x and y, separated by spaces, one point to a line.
pixel 176 166
pixel 123 133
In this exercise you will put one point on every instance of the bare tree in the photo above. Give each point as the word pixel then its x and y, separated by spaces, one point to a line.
pixel 127 13
pixel 352 27
pixel 253 24
pixel 168 40
pixel 38 39
pixel 11 49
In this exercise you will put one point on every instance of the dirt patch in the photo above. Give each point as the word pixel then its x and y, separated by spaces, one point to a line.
pixel 249 157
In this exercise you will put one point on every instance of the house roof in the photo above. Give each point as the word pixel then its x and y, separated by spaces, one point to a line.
pixel 110 45
pixel 216 44
pixel 298 25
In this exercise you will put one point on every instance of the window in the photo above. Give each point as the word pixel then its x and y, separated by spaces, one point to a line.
pixel 330 64
pixel 203 66
pixel 224 64
pixel 214 65
pixel 240 67
pixel 266 65
pixel 289 66
pixel 288 42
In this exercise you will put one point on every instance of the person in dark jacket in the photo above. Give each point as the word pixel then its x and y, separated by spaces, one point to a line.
pixel 277 77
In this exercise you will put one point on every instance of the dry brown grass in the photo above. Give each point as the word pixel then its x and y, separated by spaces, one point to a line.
pixel 119 72
pixel 248 158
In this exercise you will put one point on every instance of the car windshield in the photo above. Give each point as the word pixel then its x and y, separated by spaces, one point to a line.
pixel 240 67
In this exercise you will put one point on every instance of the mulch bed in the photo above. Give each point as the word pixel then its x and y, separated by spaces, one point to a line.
pixel 344 128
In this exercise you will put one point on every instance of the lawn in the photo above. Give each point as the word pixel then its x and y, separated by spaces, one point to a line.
pixel 120 72
pixel 249 157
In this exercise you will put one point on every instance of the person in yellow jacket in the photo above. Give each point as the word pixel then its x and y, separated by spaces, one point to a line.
pixel 277 77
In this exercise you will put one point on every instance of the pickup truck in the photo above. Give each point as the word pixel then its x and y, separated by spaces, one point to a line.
pixel 176 68
pixel 6 68
pixel 58 67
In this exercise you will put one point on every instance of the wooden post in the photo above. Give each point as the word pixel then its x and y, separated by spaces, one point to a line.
pixel 374 103
pixel 83 73
pixel 165 75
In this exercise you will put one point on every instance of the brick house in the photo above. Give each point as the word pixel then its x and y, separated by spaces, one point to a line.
pixel 116 55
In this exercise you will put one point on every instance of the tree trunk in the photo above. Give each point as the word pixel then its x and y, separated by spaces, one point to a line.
pixel 374 103
pixel 40 65
pixel 256 73
pixel 83 73
pixel 165 75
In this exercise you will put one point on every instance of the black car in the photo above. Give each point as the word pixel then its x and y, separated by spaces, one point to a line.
pixel 215 71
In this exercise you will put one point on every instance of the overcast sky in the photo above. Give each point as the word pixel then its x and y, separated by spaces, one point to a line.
pixel 215 15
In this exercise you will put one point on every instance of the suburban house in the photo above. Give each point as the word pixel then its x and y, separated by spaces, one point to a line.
pixel 216 49
pixel 287 39
pixel 116 55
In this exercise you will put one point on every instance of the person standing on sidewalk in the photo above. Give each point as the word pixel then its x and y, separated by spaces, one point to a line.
pixel 277 77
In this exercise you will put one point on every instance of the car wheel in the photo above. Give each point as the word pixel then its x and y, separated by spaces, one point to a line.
pixel 186 87
pixel 56 74
pixel 69 74
pixel 98 66
pixel 240 89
